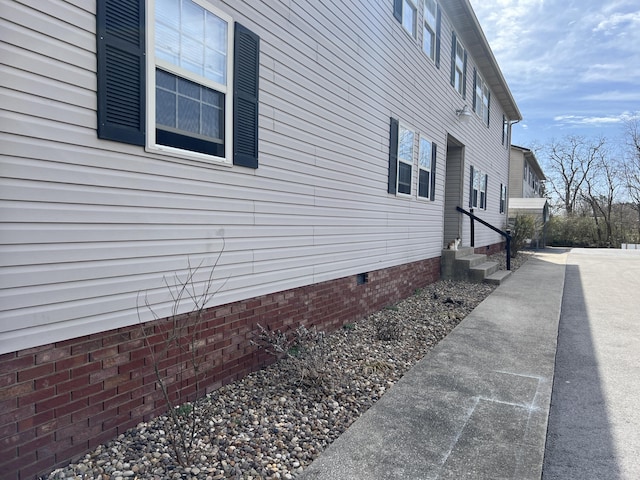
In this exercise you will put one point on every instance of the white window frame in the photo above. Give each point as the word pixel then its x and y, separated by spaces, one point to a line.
pixel 226 89
pixel 409 7
pixel 479 193
pixel 482 98
pixel 424 165
pixel 458 79
pixel 404 159
pixel 429 27
pixel 503 198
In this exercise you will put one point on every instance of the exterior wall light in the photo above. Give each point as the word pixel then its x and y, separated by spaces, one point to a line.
pixel 464 114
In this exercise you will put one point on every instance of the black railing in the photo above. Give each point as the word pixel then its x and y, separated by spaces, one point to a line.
pixel 488 225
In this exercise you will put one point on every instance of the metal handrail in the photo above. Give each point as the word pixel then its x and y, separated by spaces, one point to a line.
pixel 495 229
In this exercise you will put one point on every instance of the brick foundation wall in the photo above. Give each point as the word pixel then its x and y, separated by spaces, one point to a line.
pixel 60 400
pixel 491 249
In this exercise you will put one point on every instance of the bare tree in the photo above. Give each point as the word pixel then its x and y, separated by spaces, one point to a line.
pixel 600 192
pixel 569 162
pixel 632 164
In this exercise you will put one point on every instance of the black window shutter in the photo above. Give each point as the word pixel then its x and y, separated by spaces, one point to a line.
pixel 475 84
pixel 120 46
pixel 434 154
pixel 488 107
pixel 464 76
pixel 438 30
pixel 397 10
pixel 471 189
pixel 453 59
pixel 245 97
pixel 486 191
pixel 393 154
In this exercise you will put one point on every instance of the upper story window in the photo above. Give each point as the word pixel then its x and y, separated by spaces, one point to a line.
pixel 430 29
pixel 505 131
pixel 179 77
pixel 406 12
pixel 482 98
pixel 458 66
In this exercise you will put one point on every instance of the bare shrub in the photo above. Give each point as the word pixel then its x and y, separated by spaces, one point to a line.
pixel 304 352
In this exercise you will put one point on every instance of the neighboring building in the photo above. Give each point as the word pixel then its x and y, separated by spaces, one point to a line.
pixel 526 191
pixel 321 147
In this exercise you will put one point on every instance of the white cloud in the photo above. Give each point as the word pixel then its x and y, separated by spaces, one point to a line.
pixel 614 96
pixel 608 25
pixel 568 120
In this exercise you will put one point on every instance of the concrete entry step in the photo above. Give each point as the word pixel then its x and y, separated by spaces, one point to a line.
pixel 497 277
pixel 479 272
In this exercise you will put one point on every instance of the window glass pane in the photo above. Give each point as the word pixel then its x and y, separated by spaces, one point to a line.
pixel 188 89
pixel 188 115
pixel 216 52
pixel 192 38
pixel 189 108
pixel 425 154
pixel 424 183
pixel 165 108
pixel 409 17
pixel 428 43
pixel 430 13
pixel 404 178
pixel 405 145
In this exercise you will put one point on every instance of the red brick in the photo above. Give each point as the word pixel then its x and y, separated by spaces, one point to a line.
pixel 85 369
pixel 52 402
pixel 71 407
pixel 86 413
pixel 130 345
pixel 18 439
pixel 36 468
pixel 35 420
pixel 103 374
pixel 16 391
pixel 102 438
pixel 101 396
pixel 35 372
pixel 17 415
pixel 103 353
pixel 52 355
pixel 51 380
pixel 116 380
pixel 71 362
pixel 115 340
pixel 35 444
pixel 87 391
pixel 86 347
pixel 119 359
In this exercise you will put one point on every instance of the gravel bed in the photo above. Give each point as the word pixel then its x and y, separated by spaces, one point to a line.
pixel 273 423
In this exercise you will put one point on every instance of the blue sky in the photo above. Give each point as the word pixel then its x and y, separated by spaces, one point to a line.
pixel 573 66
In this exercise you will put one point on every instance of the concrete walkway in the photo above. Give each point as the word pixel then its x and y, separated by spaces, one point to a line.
pixel 477 405
pixel 594 423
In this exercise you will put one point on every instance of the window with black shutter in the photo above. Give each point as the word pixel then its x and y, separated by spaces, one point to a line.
pixel 186 93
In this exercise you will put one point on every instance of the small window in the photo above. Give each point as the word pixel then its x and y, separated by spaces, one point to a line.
pixel 482 99
pixel 478 189
pixel 458 66
pixel 503 198
pixel 406 140
pixel 430 28
pixel 505 131
pixel 425 159
pixel 409 17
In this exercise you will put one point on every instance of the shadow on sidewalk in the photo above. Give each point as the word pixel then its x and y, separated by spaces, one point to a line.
pixel 579 436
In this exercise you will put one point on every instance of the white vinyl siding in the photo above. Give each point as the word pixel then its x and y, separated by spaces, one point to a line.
pixel 88 225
